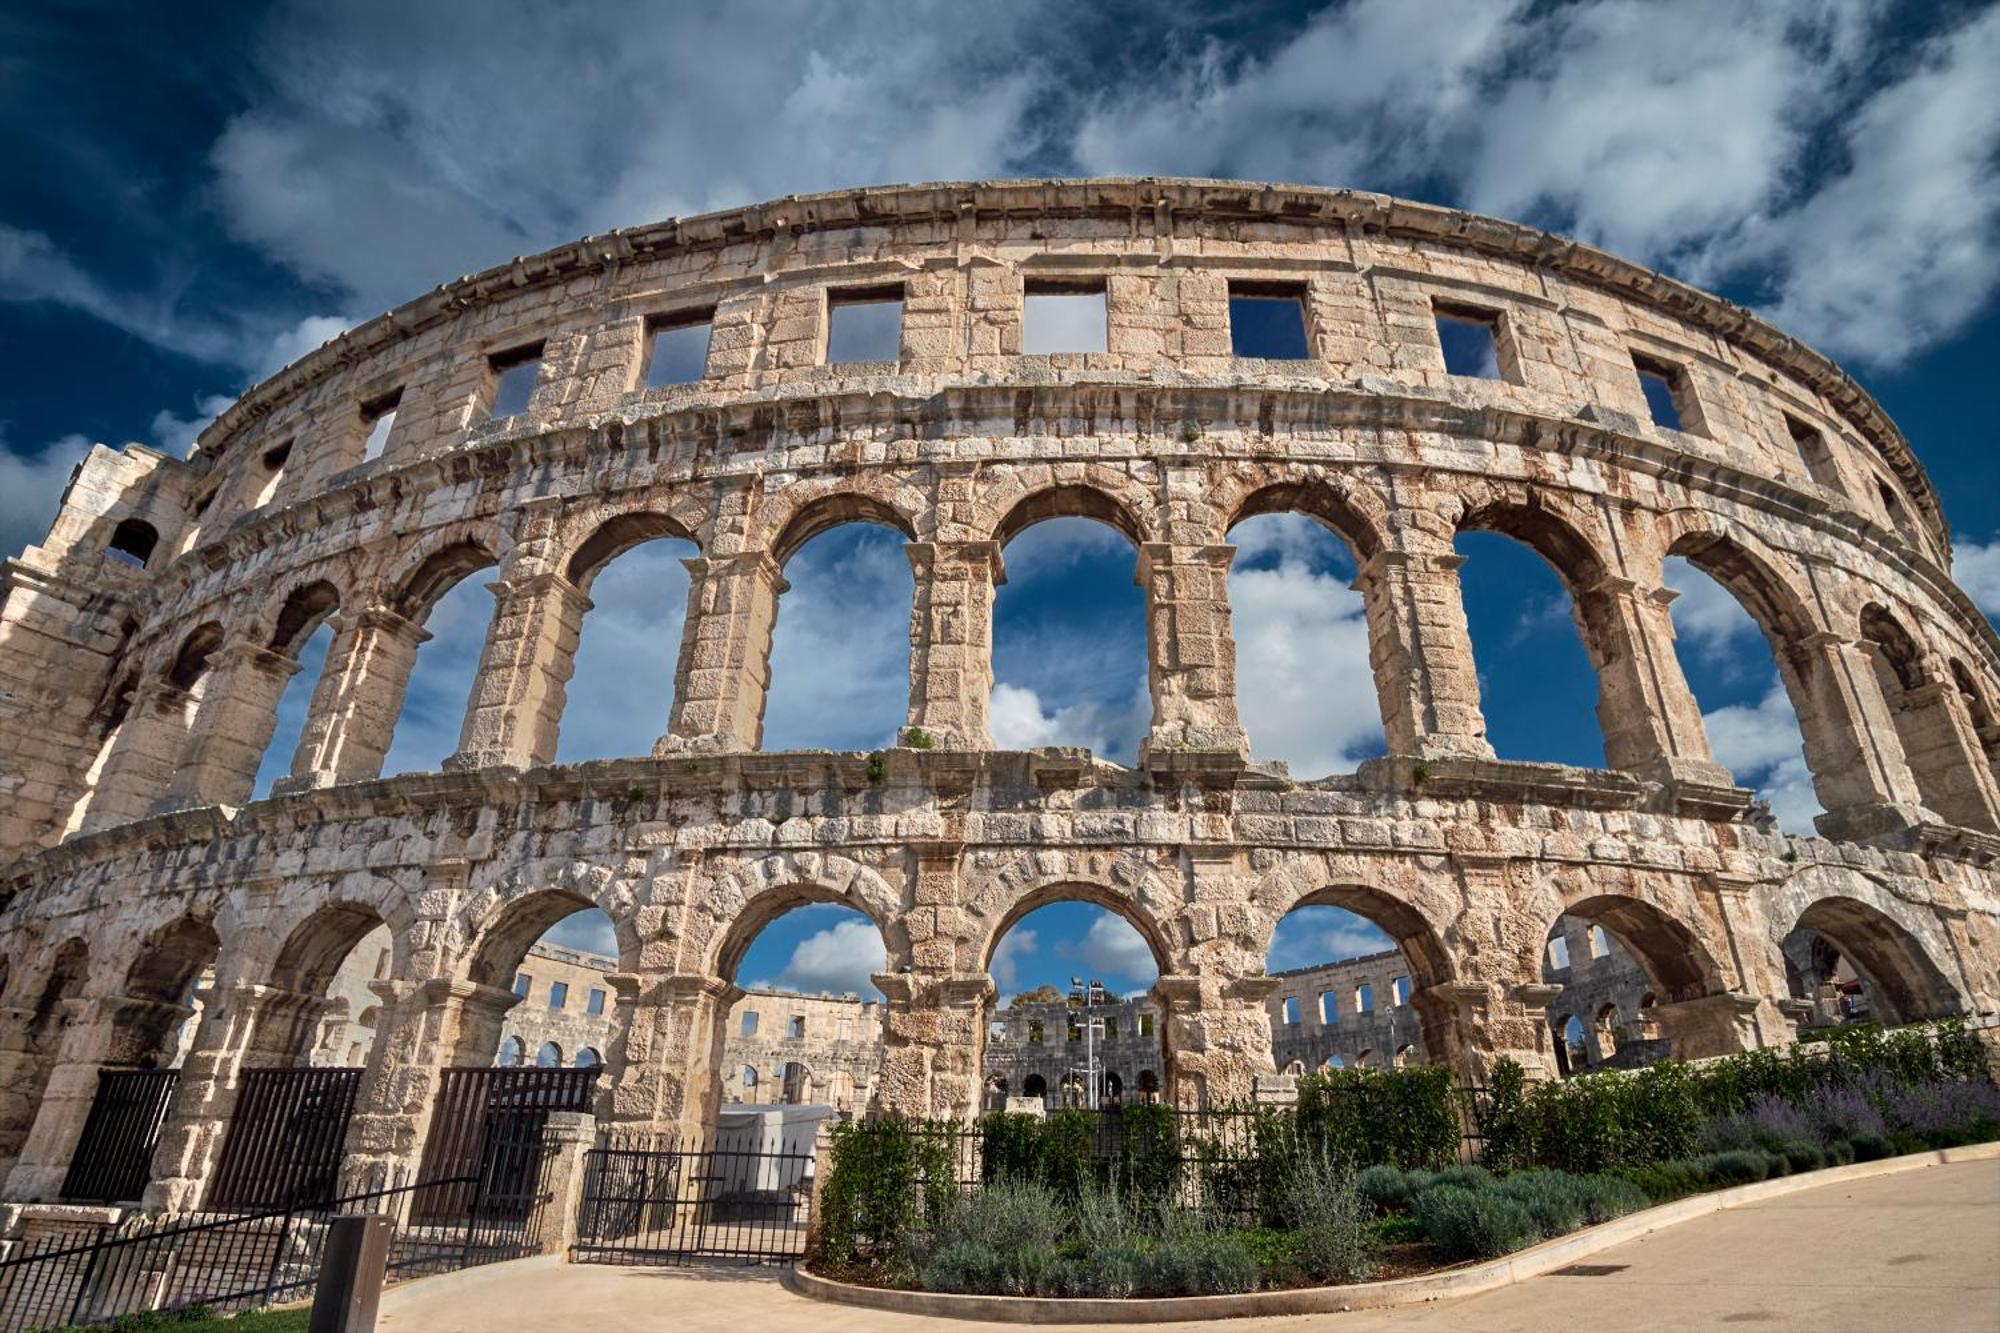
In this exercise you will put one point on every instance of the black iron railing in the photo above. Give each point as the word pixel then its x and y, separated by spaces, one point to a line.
pixel 737 1196
pixel 284 1138
pixel 115 1151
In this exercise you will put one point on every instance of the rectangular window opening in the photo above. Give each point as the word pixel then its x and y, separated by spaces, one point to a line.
pixel 594 1004
pixel 1470 339
pixel 522 981
pixel 1145 1025
pixel 749 1023
pixel 864 324
pixel 677 348
pixel 1364 999
pixel 1813 452
pixel 1329 1008
pixel 1558 953
pixel 1267 320
pixel 515 374
pixel 1662 384
pixel 378 418
pixel 558 995
pixel 1400 992
pixel 798 1026
pixel 1291 1011
pixel 1059 317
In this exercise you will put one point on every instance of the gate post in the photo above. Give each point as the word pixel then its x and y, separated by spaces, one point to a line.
pixel 567 1136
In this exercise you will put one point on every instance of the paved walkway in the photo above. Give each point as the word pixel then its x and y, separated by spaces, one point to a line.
pixel 1918 1250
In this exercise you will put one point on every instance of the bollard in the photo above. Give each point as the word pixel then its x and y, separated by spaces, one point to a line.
pixel 351 1270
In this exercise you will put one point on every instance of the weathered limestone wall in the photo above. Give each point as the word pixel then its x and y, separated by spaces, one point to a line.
pixel 135 702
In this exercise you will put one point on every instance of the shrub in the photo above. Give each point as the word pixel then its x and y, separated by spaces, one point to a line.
pixel 1330 1220
pixel 1395 1229
pixel 1112 1271
pixel 1367 1117
pixel 1198 1263
pixel 1008 1216
pixel 1553 1199
pixel 1606 1197
pixel 1871 1147
pixel 964 1266
pixel 883 1182
pixel 1010 1147
pixel 1840 1153
pixel 1801 1155
pixel 1738 1168
pixel 1465 1177
pixel 1388 1186
pixel 1473 1224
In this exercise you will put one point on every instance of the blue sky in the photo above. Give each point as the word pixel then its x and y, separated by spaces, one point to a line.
pixel 191 203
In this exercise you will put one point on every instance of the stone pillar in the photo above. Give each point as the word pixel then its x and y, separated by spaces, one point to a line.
pixel 1857 763
pixel 426 1027
pixel 1191 653
pixel 242 1025
pixel 101 1032
pixel 1473 1025
pixel 24 1066
pixel 951 641
pixel 1720 1024
pixel 1217 1037
pixel 1421 652
pixel 725 661
pixel 566 1137
pixel 1651 722
pixel 666 1053
pixel 932 1043
pixel 1945 755
pixel 232 728
pixel 354 708
pixel 517 698
pixel 144 754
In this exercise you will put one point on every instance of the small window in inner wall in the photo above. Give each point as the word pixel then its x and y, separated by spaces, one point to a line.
pixel 1291 1011
pixel 378 418
pixel 1558 953
pixel 1399 992
pixel 1267 320
pixel 1064 317
pixel 1329 1007
pixel 1665 387
pixel 1145 1025
pixel 594 1003
pixel 1364 999
pixel 864 324
pixel 132 542
pixel 558 994
pixel 798 1028
pixel 1470 340
pixel 522 981
pixel 515 374
pixel 1600 943
pixel 749 1076
pixel 677 348
pixel 749 1024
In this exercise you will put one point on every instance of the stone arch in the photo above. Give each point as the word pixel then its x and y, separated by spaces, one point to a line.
pixel 1338 511
pixel 1411 928
pixel 749 896
pixel 506 935
pixel 1765 590
pixel 302 612
pixel 616 535
pixel 1545 526
pixel 1944 762
pixel 1070 501
pixel 1677 963
pixel 422 579
pixel 1126 906
pixel 158 985
pixel 52 989
pixel 1984 724
pixel 314 952
pixel 823 513
pixel 190 661
pixel 1889 955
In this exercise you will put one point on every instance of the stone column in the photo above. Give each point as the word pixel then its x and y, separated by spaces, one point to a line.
pixel 725 661
pixel 426 1027
pixel 24 1065
pixel 517 698
pixel 144 753
pixel 1945 755
pixel 1421 652
pixel 1857 763
pixel 99 1032
pixel 1191 654
pixel 932 1043
pixel 1651 722
pixel 1217 1037
pixel 566 1137
pixel 951 641
pixel 241 1025
pixel 232 728
pixel 1473 1025
pixel 354 708
pixel 666 1053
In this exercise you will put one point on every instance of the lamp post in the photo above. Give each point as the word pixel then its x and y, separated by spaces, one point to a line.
pixel 1087 998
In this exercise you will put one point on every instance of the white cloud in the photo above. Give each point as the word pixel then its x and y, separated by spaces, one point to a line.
pixel 31 488
pixel 1020 721
pixel 1760 744
pixel 1113 947
pixel 840 657
pixel 176 435
pixel 309 334
pixel 1312 936
pixel 846 956
pixel 1976 567
pixel 1016 946
pixel 1707 617
pixel 1305 690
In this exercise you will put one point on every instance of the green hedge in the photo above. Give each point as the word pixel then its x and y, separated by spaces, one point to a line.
pixel 885 1178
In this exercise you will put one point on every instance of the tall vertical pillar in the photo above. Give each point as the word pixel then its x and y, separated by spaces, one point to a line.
pixel 1191 653
pixel 951 641
pixel 725 660
pixel 666 1053
pixel 352 718
pixel 1651 722
pixel 1421 653
pixel 1217 1039
pixel 144 753
pixel 232 728
pixel 517 698
pixel 933 1040
pixel 1857 763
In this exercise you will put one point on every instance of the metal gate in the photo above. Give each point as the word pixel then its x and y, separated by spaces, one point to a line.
pixel 739 1197
pixel 283 1145
pixel 114 1157
pixel 486 1127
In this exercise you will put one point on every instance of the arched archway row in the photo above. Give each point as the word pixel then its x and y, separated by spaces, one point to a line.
pixel 1470 924
pixel 1898 708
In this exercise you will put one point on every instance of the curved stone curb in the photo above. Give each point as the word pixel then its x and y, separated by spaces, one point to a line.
pixel 1452 1283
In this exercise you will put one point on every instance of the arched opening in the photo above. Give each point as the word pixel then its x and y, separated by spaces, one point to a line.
pixel 1305 688
pixel 45 1020
pixel 169 969
pixel 806 964
pixel 327 970
pixel 1572 1050
pixel 304 633
pixel 456 612
pixel 1069 628
pixel 1984 724
pixel 513 1053
pixel 840 650
pixel 1604 1032
pixel 1644 953
pixel 132 542
pixel 555 954
pixel 1073 975
pixel 589 1058
pixel 1932 745
pixel 1533 644
pixel 621 689
pixel 1856 963
pixel 1746 704
pixel 1034 1085
pixel 548 1055
pixel 1350 963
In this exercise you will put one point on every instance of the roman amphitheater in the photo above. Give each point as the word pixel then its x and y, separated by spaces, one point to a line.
pixel 145 643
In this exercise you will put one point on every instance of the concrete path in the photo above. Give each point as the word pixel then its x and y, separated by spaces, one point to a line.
pixel 1919 1250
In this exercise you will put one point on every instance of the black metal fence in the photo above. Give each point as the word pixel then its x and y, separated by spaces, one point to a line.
pixel 115 1152
pixel 491 1118
pixel 249 1260
pixel 284 1139
pixel 734 1196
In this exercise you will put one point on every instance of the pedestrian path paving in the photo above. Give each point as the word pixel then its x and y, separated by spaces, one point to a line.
pixel 1919 1250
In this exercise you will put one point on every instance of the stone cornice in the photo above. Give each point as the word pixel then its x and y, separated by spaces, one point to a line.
pixel 1151 206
